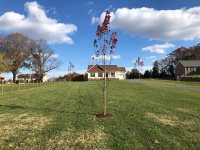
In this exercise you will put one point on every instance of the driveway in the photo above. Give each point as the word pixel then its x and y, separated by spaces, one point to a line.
pixel 182 87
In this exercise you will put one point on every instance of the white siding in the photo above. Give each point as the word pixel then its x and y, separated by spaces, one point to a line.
pixel 118 75
pixel 121 75
pixel 1 75
pixel 45 78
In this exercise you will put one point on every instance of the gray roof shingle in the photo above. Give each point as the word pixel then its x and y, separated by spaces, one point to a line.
pixel 190 63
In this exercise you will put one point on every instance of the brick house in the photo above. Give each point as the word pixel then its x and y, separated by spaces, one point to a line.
pixel 96 72
pixel 187 67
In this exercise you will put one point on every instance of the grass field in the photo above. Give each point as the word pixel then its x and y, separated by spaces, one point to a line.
pixel 195 76
pixel 22 86
pixel 172 82
pixel 58 116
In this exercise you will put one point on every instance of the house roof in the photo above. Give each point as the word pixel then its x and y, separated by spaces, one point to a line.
pixel 94 68
pixel 190 63
pixel 122 69
pixel 99 68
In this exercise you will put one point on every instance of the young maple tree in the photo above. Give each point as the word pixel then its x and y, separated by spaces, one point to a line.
pixel 139 64
pixel 105 44
pixel 71 70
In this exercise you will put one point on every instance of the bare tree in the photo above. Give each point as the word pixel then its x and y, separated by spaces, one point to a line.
pixel 71 70
pixel 139 63
pixel 43 58
pixel 16 48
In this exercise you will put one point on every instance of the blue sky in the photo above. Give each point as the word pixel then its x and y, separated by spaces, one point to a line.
pixel 149 29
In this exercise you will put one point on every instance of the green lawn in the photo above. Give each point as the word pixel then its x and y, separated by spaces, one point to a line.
pixel 62 117
pixel 195 76
pixel 21 86
pixel 172 82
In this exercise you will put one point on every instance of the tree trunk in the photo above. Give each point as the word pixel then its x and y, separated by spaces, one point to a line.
pixel 105 91
pixel 14 76
pixel 70 80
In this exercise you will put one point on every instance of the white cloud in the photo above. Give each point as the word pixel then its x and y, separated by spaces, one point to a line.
pixel 52 10
pixel 179 24
pixel 37 25
pixel 150 57
pixel 55 56
pixel 92 12
pixel 90 3
pixel 158 48
pixel 114 57
pixel 95 20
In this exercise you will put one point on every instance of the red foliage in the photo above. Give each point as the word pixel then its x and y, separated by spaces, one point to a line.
pixel 139 62
pixel 104 27
pixel 105 41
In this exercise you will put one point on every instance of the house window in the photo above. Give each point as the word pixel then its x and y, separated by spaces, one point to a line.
pixel 112 75
pixel 92 74
pixel 192 68
pixel 195 69
pixel 100 74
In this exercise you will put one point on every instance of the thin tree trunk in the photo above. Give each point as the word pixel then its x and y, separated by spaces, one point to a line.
pixel 105 88
pixel 104 94
pixel 70 79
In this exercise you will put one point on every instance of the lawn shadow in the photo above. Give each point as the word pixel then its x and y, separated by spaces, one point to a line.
pixel 44 109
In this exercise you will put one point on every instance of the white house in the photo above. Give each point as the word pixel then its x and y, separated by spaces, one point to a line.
pixel 32 77
pixel 96 72
pixel 2 78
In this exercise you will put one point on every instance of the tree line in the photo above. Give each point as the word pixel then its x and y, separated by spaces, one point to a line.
pixel 19 51
pixel 165 68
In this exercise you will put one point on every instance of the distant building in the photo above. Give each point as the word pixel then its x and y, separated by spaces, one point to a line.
pixel 2 78
pixel 96 72
pixel 187 67
pixel 73 77
pixel 33 77
pixel 76 77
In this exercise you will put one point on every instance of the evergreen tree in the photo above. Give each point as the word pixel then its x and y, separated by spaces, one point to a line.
pixel 147 74
pixel 155 73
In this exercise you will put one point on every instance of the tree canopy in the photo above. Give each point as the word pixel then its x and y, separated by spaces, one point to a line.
pixel 168 63
pixel 3 66
pixel 16 48
pixel 43 58
pixel 19 51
